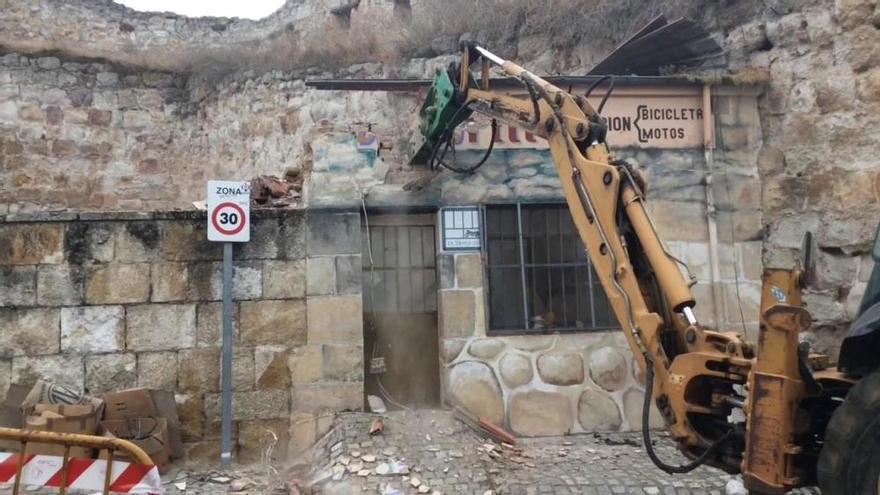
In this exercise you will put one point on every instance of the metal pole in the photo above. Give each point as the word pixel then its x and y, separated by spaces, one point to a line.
pixel 226 433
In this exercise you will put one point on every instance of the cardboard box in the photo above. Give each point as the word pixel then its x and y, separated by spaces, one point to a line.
pixel 146 403
pixel 148 433
pixel 10 414
pixel 79 418
pixel 49 393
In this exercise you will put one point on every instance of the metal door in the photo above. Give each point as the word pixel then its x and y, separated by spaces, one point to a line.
pixel 400 310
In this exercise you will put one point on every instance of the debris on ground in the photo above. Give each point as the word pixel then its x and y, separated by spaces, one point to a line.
pixel 377 426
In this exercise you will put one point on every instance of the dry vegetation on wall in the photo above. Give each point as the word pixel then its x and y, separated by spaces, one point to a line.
pixel 375 34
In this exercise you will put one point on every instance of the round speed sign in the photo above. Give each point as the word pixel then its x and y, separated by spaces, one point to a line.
pixel 228 218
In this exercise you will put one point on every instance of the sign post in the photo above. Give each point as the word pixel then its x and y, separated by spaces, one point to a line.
pixel 228 222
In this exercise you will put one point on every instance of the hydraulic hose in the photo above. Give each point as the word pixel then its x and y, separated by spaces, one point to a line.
pixel 646 432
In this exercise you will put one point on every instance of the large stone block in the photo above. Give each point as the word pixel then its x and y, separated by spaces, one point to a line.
pixel 109 372
pixel 169 282
pixel 291 239
pixel 327 396
pixel 608 368
pixel 349 275
pixel 306 364
pixel 187 240
pixel 633 403
pixel 29 332
pixel 271 367
pixel 191 412
pixel 264 240
pixel 515 369
pixel 92 329
pixel 536 414
pixel 160 327
pixel 335 320
pixel 242 370
pixel 63 369
pixel 284 279
pixel 263 440
pixel 303 432
pixel 468 270
pixel 89 242
pixel 457 313
pixel 320 275
pixel 199 369
pixel 273 322
pixel 474 387
pixel 486 348
pixel 118 283
pixel 59 285
pixel 138 241
pixel 256 404
pixel 343 363
pixel 597 411
pixel 209 329
pixel 31 244
pixel 18 285
pixel 157 370
pixel 206 281
pixel 561 368
pixel 333 233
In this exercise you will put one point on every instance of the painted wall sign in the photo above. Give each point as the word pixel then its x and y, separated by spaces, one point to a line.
pixel 229 210
pixel 645 118
pixel 460 228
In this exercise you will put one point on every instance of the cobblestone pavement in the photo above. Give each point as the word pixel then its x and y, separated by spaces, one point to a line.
pixel 431 452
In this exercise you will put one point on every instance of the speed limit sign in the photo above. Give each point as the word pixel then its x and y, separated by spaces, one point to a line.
pixel 229 211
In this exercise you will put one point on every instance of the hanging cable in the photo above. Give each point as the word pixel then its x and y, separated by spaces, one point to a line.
pixel 446 141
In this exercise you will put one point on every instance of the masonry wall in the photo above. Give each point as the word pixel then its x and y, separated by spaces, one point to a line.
pixel 103 302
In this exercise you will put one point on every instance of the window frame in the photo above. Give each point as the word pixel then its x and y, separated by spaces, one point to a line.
pixel 523 266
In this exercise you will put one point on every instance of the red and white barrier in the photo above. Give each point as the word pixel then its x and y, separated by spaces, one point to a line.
pixel 82 474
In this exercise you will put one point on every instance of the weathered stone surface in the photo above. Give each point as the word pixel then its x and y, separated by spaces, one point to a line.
pixel 349 276
pixel 29 332
pixel 242 369
pixel 451 348
pixel 18 285
pixel 335 320
pixel 327 396
pixel 334 233
pixel 118 283
pixel 303 432
pixel 608 368
pixel 561 368
pixel 535 414
pixel 598 412
pixel 169 282
pixel 209 329
pixel 273 322
pixel 474 387
pixel 486 348
pixel 343 362
pixel 284 279
pixel 92 329
pixel 30 244
pixel 206 281
pixel 320 275
pixel 157 370
pixel 59 285
pixel 257 437
pixel 515 369
pixel 633 402
pixel 138 241
pixel 271 368
pixel 159 327
pixel 199 369
pixel 256 404
pixel 63 369
pixel 5 376
pixel 306 364
pixel 184 241
pixel 457 313
pixel 109 372
pixel 530 343
pixel 468 270
pixel 191 412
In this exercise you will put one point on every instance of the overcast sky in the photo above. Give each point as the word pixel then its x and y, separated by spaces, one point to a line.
pixel 246 9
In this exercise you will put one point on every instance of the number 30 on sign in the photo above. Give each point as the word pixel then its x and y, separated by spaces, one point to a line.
pixel 229 211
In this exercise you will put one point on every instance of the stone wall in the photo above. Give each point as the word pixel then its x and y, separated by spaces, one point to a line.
pixel 105 302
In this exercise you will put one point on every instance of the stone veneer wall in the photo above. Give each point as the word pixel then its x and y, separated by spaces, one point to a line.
pixel 103 301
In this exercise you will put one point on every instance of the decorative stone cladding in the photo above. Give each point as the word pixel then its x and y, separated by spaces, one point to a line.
pixel 104 301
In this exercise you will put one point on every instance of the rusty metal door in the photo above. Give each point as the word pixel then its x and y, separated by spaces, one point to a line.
pixel 401 357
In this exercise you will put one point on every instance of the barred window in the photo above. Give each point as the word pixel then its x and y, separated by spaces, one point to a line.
pixel 540 278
